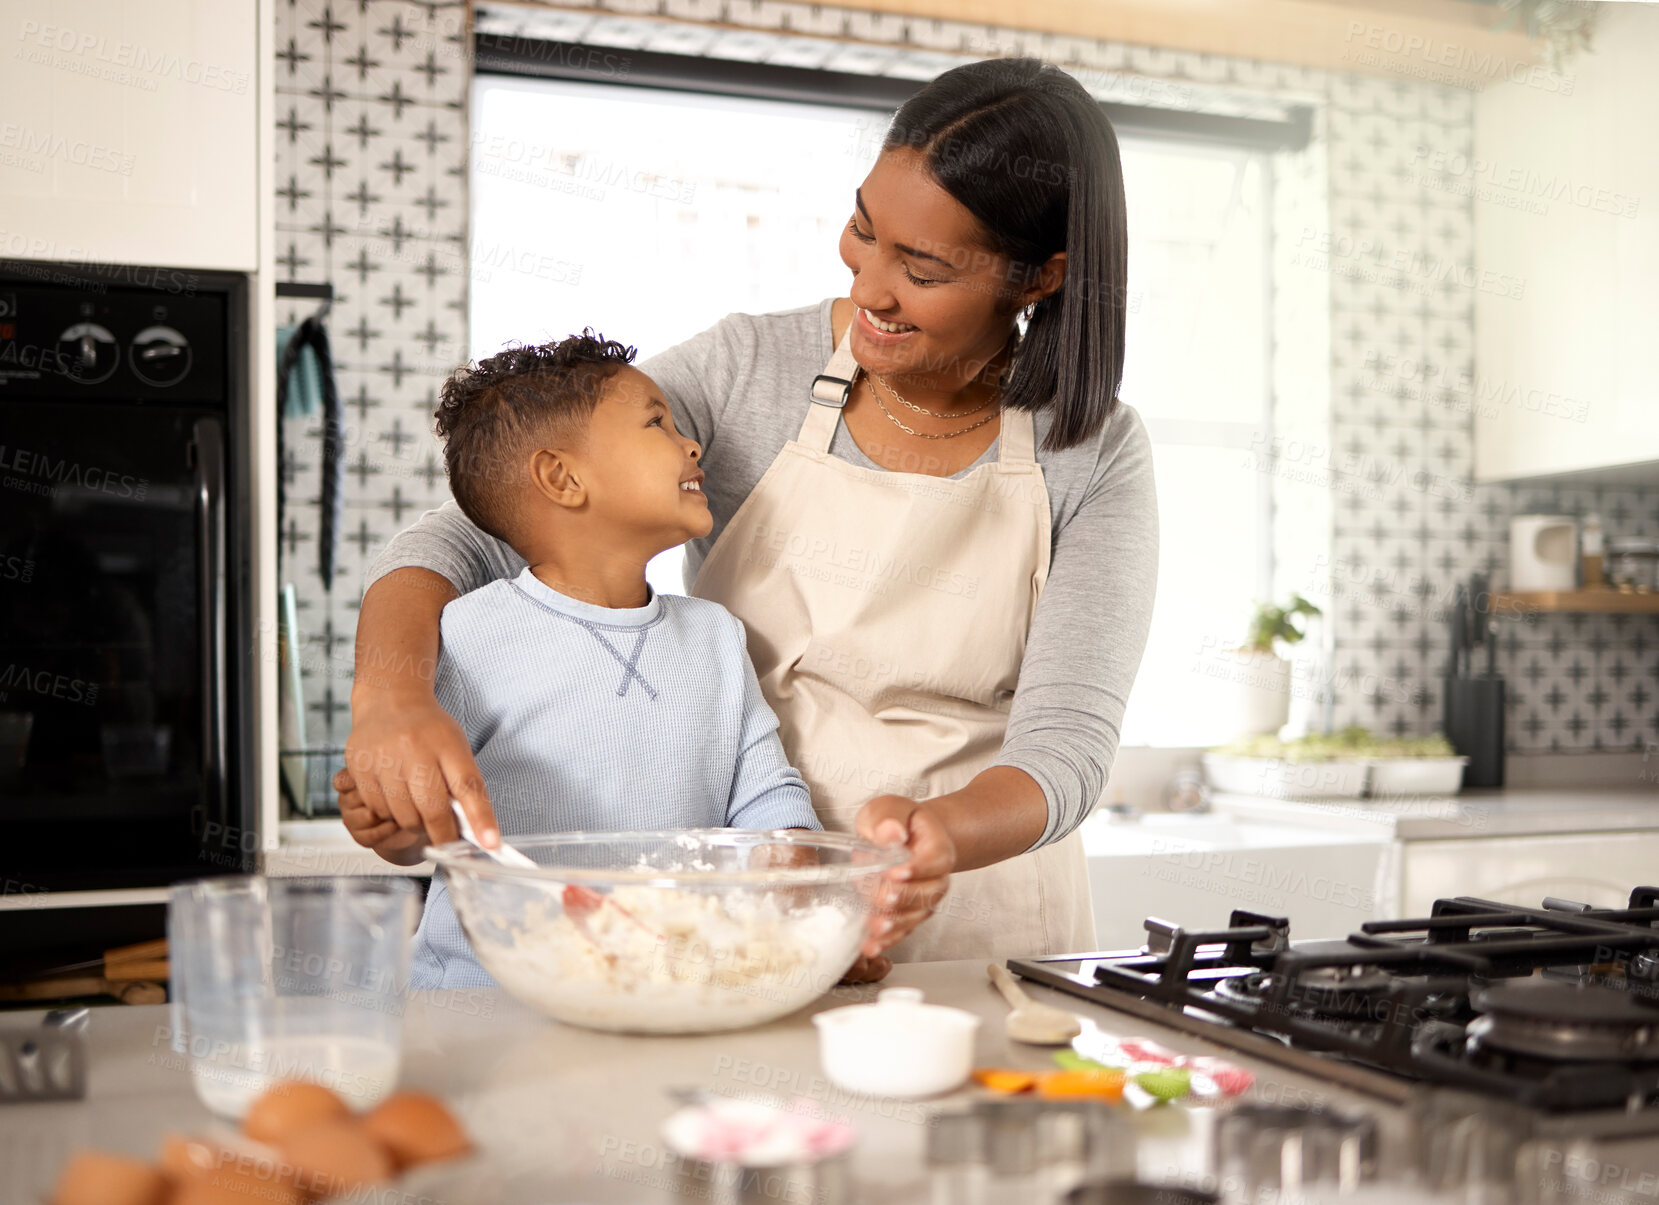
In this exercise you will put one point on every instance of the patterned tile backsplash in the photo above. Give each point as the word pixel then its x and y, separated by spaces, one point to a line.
pixel 372 190
pixel 371 175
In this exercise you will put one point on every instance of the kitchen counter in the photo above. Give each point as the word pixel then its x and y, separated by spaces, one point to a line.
pixel 564 1114
pixel 321 846
pixel 1529 811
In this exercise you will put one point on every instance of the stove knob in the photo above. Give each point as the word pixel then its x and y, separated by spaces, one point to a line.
pixel 160 356
pixel 88 353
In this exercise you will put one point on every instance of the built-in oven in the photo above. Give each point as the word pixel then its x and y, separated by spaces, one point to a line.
pixel 126 641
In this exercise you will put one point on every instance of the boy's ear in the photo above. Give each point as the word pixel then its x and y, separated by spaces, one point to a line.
pixel 555 478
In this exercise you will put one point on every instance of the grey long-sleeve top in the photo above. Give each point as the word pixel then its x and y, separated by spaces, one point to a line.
pixel 740 390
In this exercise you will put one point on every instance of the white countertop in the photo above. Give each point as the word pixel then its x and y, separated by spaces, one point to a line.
pixel 563 1114
pixel 1527 811
pixel 323 847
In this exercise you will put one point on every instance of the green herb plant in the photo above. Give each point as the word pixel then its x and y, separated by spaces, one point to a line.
pixel 1272 624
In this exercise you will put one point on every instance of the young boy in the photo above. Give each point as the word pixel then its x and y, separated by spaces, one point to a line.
pixel 590 701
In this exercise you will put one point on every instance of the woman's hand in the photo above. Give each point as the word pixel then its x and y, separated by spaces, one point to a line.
pixel 406 758
pixel 868 970
pixel 911 891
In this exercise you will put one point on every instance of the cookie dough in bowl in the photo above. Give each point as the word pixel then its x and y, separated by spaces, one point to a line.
pixel 693 931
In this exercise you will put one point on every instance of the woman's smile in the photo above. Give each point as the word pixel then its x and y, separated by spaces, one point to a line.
pixel 883 334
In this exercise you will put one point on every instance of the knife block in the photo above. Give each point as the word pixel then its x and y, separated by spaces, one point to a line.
pixel 1475 727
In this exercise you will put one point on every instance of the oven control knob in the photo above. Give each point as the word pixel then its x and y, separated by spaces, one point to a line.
pixel 88 353
pixel 160 356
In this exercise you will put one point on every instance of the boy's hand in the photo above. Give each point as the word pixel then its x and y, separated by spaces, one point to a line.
pixel 912 890
pixel 383 836
pixel 405 760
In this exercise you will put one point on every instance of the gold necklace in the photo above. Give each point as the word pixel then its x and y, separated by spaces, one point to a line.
pixel 932 413
pixel 894 419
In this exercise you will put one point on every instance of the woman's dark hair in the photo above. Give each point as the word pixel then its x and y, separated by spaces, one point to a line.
pixel 490 412
pixel 1030 154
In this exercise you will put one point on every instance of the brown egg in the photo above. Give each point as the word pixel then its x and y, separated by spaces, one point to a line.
pixel 99 1178
pixel 289 1106
pixel 335 1157
pixel 232 1187
pixel 235 1188
pixel 417 1128
pixel 205 1173
pixel 185 1158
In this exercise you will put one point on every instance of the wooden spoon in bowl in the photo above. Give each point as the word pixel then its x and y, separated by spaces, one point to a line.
pixel 1032 1023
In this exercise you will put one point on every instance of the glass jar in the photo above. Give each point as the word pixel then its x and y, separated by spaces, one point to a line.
pixel 1633 565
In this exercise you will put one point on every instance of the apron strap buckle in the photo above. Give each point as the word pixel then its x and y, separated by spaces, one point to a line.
pixel 830 391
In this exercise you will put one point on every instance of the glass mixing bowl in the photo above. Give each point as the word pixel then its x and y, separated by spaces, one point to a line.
pixel 692 931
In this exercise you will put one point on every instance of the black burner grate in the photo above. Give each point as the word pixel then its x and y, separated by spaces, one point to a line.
pixel 1400 1002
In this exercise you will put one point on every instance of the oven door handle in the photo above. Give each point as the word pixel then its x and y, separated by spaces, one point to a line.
pixel 209 456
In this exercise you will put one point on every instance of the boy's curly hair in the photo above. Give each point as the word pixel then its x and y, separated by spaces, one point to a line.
pixel 490 412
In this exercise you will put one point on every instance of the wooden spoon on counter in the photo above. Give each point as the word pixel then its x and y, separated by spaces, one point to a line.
pixel 1032 1023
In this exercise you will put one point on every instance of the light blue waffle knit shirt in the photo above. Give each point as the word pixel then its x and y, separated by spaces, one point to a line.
pixel 600 718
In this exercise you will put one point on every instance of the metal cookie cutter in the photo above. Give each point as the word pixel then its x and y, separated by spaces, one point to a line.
pixel 48 1063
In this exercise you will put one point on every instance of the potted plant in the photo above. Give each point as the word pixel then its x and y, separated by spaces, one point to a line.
pixel 1262 699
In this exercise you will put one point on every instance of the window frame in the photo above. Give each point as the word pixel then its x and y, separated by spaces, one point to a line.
pixel 514 54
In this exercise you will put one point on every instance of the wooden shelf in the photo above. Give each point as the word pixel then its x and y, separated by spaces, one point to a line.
pixel 1600 602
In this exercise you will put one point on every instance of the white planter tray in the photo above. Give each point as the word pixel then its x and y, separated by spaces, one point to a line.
pixel 1349 778
pixel 1395 776
pixel 1276 779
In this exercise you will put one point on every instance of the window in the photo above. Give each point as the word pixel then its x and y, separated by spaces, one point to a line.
pixel 648 213
pixel 1196 369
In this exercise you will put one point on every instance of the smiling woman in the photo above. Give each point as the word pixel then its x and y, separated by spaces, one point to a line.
pixel 939 529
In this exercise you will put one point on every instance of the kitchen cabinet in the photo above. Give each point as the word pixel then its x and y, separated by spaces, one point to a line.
pixel 1197 869
pixel 129 132
pixel 1516 845
pixel 1565 197
pixel 1598 869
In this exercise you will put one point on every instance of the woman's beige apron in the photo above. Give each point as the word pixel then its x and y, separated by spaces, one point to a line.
pixel 887 616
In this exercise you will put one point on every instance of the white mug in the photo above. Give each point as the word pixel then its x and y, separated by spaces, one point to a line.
pixel 1543 553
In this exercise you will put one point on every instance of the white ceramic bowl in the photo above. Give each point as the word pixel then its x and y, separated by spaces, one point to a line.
pixel 898 1046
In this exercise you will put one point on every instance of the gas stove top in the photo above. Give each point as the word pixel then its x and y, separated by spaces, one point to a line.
pixel 1554 1008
